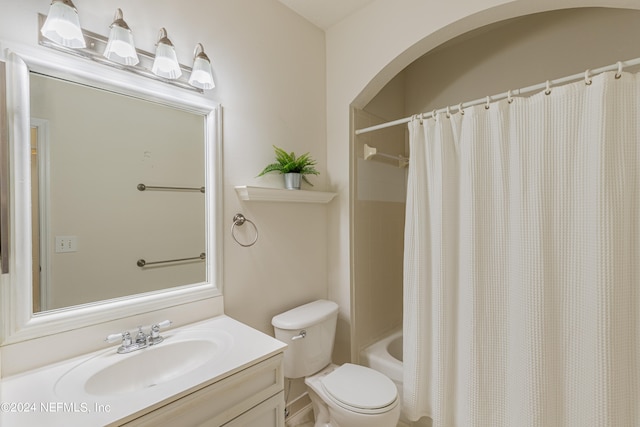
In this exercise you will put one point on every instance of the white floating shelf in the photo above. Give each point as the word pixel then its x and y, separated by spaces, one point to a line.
pixel 262 194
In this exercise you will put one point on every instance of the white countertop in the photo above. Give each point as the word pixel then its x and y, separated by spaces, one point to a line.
pixel 32 398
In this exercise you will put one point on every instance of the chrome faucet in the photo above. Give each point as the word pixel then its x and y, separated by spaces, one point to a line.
pixel 142 340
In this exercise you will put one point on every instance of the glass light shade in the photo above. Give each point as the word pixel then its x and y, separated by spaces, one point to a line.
pixel 62 25
pixel 166 62
pixel 201 74
pixel 120 47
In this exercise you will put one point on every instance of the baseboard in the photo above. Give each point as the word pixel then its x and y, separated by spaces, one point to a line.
pixel 300 411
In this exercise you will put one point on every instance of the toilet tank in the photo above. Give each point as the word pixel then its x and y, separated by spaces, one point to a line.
pixel 309 354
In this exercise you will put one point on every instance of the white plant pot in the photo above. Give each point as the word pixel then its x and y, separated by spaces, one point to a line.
pixel 292 181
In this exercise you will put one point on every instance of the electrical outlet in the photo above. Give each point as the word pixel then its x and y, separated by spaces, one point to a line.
pixel 66 244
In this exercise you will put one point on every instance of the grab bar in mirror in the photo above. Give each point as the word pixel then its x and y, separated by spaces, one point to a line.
pixel 143 187
pixel 4 174
pixel 142 263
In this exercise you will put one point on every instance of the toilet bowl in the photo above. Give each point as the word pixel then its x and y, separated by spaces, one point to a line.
pixel 353 396
pixel 342 396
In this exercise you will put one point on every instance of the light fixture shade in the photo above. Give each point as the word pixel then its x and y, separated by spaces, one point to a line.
pixel 165 63
pixel 201 74
pixel 120 47
pixel 62 25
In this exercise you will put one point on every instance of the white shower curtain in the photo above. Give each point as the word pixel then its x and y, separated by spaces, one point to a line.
pixel 522 261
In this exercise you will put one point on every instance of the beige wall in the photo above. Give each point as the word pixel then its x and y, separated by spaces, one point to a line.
pixel 269 67
pixel 518 53
pixel 378 221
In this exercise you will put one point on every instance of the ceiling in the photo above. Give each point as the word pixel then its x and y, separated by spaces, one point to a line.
pixel 325 13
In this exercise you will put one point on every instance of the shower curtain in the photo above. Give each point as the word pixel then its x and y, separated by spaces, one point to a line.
pixel 522 261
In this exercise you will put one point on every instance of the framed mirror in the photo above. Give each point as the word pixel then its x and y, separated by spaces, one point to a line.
pixel 115 189
pixel 117 206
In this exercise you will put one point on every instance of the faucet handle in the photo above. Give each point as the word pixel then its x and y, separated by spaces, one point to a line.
pixel 154 335
pixel 163 324
pixel 155 329
pixel 113 337
pixel 116 337
pixel 124 336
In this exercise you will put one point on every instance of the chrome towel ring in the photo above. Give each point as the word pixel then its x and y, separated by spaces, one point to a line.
pixel 239 220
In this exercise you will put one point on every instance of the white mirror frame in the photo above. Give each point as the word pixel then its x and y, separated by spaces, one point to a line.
pixel 18 320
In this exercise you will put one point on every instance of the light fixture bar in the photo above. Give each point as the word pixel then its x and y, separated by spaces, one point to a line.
pixel 96 45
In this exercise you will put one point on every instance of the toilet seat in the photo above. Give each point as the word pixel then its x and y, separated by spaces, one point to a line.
pixel 360 389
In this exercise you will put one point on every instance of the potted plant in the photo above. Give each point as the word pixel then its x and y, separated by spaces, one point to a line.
pixel 293 168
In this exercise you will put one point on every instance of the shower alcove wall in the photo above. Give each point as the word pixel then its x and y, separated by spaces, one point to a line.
pixel 506 55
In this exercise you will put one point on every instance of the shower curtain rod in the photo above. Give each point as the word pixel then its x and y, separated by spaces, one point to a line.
pixel 509 94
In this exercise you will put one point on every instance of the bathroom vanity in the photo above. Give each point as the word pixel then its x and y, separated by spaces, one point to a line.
pixel 211 373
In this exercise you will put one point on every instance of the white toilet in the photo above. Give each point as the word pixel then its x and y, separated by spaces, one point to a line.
pixel 342 396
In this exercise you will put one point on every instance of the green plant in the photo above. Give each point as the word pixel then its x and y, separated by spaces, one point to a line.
pixel 289 163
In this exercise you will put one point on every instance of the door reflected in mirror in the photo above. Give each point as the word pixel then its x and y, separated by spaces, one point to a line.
pixel 90 150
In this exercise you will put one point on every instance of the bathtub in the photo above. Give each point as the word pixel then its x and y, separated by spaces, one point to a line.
pixel 386 356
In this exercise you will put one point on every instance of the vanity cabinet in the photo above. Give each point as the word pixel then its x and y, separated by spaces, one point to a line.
pixel 253 396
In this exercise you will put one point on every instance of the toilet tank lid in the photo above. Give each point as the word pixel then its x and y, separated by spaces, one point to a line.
pixel 305 315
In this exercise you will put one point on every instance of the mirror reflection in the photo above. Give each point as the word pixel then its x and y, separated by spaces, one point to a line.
pixel 91 149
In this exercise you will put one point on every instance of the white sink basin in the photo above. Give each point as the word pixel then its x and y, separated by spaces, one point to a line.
pixel 110 374
pixel 105 388
pixel 149 367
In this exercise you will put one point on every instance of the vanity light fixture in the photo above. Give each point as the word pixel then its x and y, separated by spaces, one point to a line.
pixel 118 51
pixel 120 47
pixel 165 63
pixel 201 74
pixel 63 25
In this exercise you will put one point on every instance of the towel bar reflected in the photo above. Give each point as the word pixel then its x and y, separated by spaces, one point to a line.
pixel 143 187
pixel 142 263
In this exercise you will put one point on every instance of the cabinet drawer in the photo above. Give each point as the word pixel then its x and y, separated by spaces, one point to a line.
pixel 221 401
pixel 269 413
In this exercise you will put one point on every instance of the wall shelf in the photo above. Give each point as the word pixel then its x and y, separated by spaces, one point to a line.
pixel 263 194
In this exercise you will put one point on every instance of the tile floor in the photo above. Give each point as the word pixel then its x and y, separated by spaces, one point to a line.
pixel 306 420
pixel 311 423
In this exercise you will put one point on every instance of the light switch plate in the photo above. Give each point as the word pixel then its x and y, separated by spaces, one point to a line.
pixel 66 244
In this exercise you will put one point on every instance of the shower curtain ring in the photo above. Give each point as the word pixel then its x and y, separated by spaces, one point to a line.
pixel 619 73
pixel 421 118
pixel 486 106
pixel 509 98
pixel 548 90
pixel 434 114
pixel 448 112
pixel 587 78
pixel 460 109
